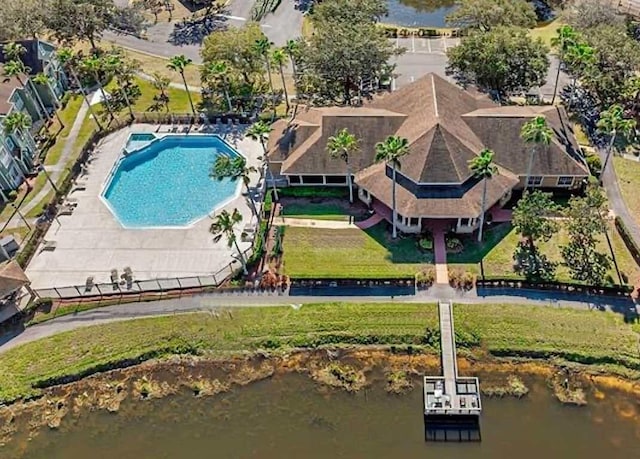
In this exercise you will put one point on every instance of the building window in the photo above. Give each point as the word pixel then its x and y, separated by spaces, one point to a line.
pixel 464 222
pixel 565 181
pixel 535 180
pixel 294 179
pixel 336 179
pixel 413 221
pixel 313 179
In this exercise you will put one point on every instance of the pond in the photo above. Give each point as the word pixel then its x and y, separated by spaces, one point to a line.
pixel 419 13
pixel 292 416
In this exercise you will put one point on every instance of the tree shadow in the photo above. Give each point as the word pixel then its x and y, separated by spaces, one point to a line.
pixel 403 250
pixel 193 31
pixel 303 5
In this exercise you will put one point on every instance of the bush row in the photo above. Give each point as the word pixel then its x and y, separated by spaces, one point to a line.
pixel 313 192
pixel 624 233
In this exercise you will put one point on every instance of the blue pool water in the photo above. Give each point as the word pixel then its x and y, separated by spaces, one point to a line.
pixel 137 141
pixel 167 183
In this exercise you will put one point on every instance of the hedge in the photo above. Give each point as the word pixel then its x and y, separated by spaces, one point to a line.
pixel 631 244
pixel 313 192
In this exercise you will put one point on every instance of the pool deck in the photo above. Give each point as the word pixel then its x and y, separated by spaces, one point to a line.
pixel 91 241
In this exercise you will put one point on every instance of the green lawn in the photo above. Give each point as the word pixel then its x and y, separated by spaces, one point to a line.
pixel 315 211
pixel 68 116
pixel 581 336
pixel 178 100
pixel 547 31
pixel 500 244
pixel 350 253
pixel 628 173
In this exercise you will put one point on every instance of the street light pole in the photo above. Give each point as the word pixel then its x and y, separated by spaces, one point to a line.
pixel 21 216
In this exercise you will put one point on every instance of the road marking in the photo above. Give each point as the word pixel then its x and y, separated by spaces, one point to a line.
pixel 413 43
pixel 429 43
pixel 397 42
pixel 444 43
pixel 393 84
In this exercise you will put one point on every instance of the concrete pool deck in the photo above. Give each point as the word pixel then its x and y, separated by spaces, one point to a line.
pixel 92 242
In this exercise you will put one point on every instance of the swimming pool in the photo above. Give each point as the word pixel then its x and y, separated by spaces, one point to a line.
pixel 139 140
pixel 167 182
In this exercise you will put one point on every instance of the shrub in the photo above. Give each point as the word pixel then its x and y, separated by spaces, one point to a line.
pixel 425 278
pixel 277 246
pixel 425 243
pixel 314 192
pixel 268 202
pixel 454 244
pixel 12 195
pixel 461 280
pixel 258 244
pixel 628 239
pixel 594 163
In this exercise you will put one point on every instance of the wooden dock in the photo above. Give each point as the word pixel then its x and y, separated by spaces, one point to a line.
pixel 451 402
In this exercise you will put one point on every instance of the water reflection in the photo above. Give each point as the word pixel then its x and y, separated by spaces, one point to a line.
pixel 427 13
pixel 291 416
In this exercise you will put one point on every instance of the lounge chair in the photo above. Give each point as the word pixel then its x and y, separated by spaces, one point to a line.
pixel 88 286
pixel 49 245
pixel 114 279
pixel 66 210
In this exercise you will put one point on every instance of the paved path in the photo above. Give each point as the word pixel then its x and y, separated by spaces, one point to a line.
pixel 370 222
pixel 210 302
pixel 311 223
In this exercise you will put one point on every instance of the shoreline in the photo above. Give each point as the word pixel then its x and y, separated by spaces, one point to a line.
pixel 350 369
pixel 600 340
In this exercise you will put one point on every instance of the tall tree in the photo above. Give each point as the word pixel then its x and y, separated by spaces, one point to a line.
pixel 179 64
pixel 613 123
pixel 566 36
pixel 84 20
pixel 537 134
pixel 579 59
pixel 531 219
pixel 503 61
pixel 18 123
pixel 487 14
pixel 347 47
pixel 390 151
pixel 69 61
pixel 279 58
pixel 235 168
pixel 161 83
pixel 260 131
pixel 218 72
pixel 124 71
pixel 226 224
pixel 292 48
pixel 585 225
pixel 341 146
pixel 263 48
pixel 484 169
pixel 95 65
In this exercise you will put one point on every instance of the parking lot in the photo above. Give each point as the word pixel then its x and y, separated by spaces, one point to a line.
pixel 438 45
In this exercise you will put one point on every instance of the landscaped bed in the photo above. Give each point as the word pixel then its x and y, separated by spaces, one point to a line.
pixel 591 337
pixel 335 209
pixel 351 253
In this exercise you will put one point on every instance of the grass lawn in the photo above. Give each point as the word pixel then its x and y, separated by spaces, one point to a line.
pixel 628 173
pixel 582 336
pixel 316 211
pixel 68 116
pixel 546 32
pixel 20 233
pixel 350 253
pixel 498 252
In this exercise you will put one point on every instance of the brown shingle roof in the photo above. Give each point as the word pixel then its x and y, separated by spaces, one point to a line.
pixel 466 205
pixel 12 277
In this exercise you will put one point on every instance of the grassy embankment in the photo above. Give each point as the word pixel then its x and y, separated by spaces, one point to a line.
pixel 588 337
pixel 628 173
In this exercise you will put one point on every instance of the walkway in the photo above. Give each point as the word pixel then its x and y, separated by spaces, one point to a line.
pixel 311 223
pixel 210 302
pixel 370 222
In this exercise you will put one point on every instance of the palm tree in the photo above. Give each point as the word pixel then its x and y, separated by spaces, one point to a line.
pixel 579 57
pixel 262 47
pixel 259 131
pixel 95 65
pixel 565 38
pixel 17 69
pixel 161 83
pixel 179 64
pixel 390 151
pixel 613 123
pixel 341 146
pixel 68 59
pixel 279 57
pixel 225 224
pixel 535 132
pixel 235 168
pixel 293 49
pixel 218 70
pixel 483 168
pixel 18 123
pixel 123 72
pixel 44 80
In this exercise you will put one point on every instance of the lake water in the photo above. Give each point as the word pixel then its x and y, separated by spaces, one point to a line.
pixel 419 13
pixel 292 417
